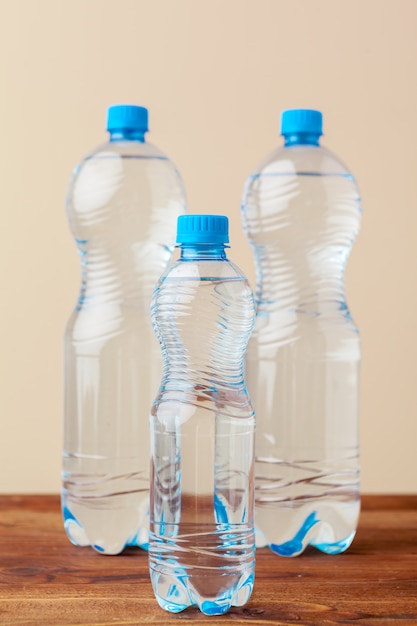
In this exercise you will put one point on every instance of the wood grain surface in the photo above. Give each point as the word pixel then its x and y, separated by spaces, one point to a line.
pixel 44 580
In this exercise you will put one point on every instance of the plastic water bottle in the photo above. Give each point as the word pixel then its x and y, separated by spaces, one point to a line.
pixel 301 211
pixel 202 544
pixel 122 206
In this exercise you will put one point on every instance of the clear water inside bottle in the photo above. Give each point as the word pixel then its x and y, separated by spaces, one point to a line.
pixel 122 207
pixel 202 549
pixel 302 213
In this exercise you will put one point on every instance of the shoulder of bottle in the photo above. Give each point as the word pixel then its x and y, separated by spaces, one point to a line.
pixel 294 159
pixel 112 156
pixel 125 149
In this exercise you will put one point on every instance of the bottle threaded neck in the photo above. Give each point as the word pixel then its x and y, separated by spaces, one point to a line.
pixel 193 251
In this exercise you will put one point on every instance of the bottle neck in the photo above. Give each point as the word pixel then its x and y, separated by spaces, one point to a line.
pixel 191 252
pixel 301 139
pixel 127 135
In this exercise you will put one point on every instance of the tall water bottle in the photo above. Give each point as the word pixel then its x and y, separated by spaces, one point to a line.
pixel 202 545
pixel 301 212
pixel 122 205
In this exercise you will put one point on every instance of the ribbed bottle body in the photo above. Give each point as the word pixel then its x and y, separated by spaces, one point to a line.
pixel 202 549
pixel 122 205
pixel 301 211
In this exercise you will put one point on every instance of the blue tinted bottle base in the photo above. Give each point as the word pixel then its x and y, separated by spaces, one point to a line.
pixel 176 593
pixel 303 538
pixel 75 532
pixel 337 547
pixel 77 535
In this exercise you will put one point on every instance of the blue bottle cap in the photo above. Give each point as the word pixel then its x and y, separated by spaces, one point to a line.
pixel 296 121
pixel 196 229
pixel 127 117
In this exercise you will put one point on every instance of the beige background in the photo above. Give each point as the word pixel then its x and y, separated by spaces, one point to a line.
pixel 215 75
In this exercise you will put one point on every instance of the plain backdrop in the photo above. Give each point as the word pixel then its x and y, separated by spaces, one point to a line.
pixel 215 75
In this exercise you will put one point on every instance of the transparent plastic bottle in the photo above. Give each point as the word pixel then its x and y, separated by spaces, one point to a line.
pixel 122 205
pixel 301 212
pixel 202 543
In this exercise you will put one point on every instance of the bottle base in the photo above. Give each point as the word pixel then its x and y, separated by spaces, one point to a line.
pixel 176 593
pixel 330 530
pixel 103 538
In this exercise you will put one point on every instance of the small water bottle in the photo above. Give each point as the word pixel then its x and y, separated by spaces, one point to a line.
pixel 202 545
pixel 122 205
pixel 301 212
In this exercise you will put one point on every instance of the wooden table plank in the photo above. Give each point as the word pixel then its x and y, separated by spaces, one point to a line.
pixel 46 581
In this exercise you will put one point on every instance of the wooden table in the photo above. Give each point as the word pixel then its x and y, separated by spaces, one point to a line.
pixel 44 580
